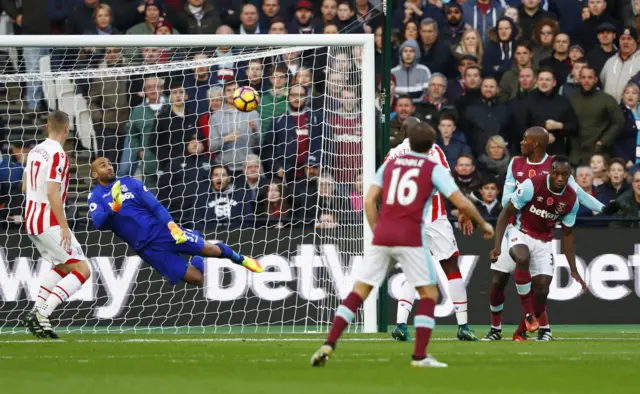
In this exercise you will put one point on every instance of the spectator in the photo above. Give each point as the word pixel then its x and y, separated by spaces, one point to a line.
pixel 466 177
pixel 233 134
pixel 472 94
pixel 629 204
pixel 277 26
pixel 255 76
pixel 173 129
pixel 324 199
pixel 347 20
pixel 200 17
pixel 498 57
pixel 225 70
pixel 456 87
pixel 164 28
pixel 587 31
pixel 270 10
pixel 452 141
pixel 153 14
pixel 139 129
pixel 569 13
pixel 357 195
pixel 618 70
pixel 616 185
pixel 572 86
pixel 412 78
pixel 627 144
pixel 584 179
pixel 109 105
pixel 559 61
pixel 599 165
pixel 516 109
pixel 252 179
pixel 293 138
pixel 329 11
pixel 58 12
pixel 599 55
pixel 230 11
pixel 544 35
pixel 346 126
pixel 546 108
pixel 488 205
pixel 249 20
pixel 485 118
pixel 470 44
pixel 102 19
pixel 196 85
pixel 575 52
pixel 404 109
pixel 599 119
pixel 509 83
pixel 302 24
pixel 512 12
pixel 410 31
pixel 272 204
pixel 151 56
pixel 82 17
pixel 494 162
pixel 585 14
pixel 417 10
pixel 304 77
pixel 11 175
pixel 435 101
pixel 530 13
pixel 368 15
pixel 380 97
pixel 482 15
pixel 455 26
pixel 216 100
pixel 223 205
pixel 436 53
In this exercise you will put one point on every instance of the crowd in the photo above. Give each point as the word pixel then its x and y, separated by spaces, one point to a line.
pixel 479 71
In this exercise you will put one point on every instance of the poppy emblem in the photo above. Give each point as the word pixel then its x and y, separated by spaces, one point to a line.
pixel 532 173
pixel 550 201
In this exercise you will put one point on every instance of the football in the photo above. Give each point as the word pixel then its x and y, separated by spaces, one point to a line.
pixel 246 99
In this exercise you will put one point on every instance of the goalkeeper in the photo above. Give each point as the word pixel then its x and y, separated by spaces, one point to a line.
pixel 132 212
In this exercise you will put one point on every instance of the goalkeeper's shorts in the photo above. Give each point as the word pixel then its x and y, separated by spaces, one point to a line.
pixel 166 256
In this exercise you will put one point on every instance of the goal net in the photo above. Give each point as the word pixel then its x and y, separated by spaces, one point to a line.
pixel 283 183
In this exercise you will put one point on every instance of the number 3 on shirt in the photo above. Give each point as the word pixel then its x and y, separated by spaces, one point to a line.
pixel 405 187
pixel 35 168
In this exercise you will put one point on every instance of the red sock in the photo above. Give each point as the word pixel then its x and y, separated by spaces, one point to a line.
pixel 523 285
pixel 424 323
pixel 522 327
pixel 496 304
pixel 344 315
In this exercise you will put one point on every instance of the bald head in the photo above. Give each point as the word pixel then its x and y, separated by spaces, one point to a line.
pixel 421 137
pixel 102 171
pixel 539 135
pixel 409 122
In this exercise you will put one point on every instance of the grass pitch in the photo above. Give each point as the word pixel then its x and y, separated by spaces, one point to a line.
pixel 582 360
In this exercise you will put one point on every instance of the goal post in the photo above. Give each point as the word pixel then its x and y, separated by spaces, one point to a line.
pixel 304 282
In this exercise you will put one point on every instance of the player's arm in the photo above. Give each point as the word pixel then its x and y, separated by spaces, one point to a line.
pixel 54 185
pixel 24 182
pixel 522 195
pixel 509 185
pixel 445 184
pixel 585 198
pixel 568 243
pixel 161 213
pixel 371 205
pixel 100 217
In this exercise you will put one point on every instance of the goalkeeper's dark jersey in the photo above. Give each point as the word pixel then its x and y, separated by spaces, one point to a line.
pixel 140 220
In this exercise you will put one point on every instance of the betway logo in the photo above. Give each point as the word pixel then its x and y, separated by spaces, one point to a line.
pixel 543 213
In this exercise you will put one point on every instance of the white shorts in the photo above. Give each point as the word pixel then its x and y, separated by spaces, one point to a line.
pixel 440 239
pixel 416 262
pixel 48 245
pixel 540 252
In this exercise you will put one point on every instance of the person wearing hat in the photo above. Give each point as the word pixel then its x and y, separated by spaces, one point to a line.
pixel 302 23
pixel 455 26
pixel 599 55
pixel 619 69
pixel 586 33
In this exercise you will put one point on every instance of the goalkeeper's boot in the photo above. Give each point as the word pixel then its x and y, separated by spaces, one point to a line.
pixel 531 322
pixel 493 335
pixel 520 337
pixel 428 362
pixel 252 264
pixel 466 334
pixel 45 325
pixel 401 333
pixel 544 335
pixel 320 358
pixel 31 322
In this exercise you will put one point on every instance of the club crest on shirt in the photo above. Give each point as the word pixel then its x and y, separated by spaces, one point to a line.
pixel 561 206
pixel 549 200
pixel 124 188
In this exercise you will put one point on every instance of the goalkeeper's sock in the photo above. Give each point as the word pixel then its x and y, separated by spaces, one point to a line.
pixel 344 315
pixel 62 291
pixel 405 303
pixel 496 304
pixel 46 287
pixel 459 296
pixel 198 262
pixel 424 323
pixel 228 253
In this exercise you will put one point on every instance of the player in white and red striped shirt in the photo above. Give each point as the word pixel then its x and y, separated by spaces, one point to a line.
pixel 45 182
pixel 443 247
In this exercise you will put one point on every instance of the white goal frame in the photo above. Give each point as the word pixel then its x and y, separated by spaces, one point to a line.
pixel 366 41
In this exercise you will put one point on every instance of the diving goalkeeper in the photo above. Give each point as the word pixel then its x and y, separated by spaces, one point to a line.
pixel 133 213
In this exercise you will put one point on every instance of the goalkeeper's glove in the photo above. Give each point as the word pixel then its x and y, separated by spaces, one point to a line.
pixel 612 208
pixel 177 233
pixel 118 198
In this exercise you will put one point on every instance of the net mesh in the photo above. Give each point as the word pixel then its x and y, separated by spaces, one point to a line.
pixel 282 183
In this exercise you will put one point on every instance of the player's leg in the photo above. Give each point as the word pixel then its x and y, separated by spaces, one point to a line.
pixel 497 293
pixel 405 304
pixel 520 253
pixel 542 270
pixel 369 274
pixel 221 250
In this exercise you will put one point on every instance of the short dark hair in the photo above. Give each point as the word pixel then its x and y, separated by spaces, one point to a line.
pixel 560 159
pixel 216 166
pixel 276 19
pixel 404 97
pixel 465 156
pixel 582 60
pixel 421 137
pixel 547 70
pixel 176 83
pixel 280 68
pixel 473 67
pixel 57 121
pixel 447 116
pixel 525 44
pixel 617 160
pixel 345 2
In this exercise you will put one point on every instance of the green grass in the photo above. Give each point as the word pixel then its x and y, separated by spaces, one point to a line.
pixel 582 360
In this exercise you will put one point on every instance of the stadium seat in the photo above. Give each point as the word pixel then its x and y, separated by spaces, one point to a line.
pixel 84 130
pixel 48 85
